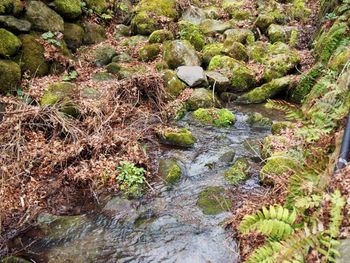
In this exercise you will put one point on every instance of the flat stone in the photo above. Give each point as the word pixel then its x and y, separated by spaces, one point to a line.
pixel 193 76
pixel 15 24
pixel 221 82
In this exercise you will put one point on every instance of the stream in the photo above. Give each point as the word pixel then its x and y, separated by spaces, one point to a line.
pixel 167 225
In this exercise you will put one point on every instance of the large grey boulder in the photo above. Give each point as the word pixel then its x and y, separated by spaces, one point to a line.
pixel 193 76
pixel 14 24
pixel 180 53
pixel 43 18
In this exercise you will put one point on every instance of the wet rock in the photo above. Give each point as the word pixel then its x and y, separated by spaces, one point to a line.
pixel 63 94
pixel 73 35
pixel 31 58
pixel 211 26
pixel 93 33
pixel 147 13
pixel 213 200
pixel 99 6
pixel 268 90
pixel 103 55
pixel 202 98
pixel 170 171
pixel 235 50
pixel 177 137
pixel 69 9
pixel 258 120
pixel 192 34
pixel 344 251
pixel 238 172
pixel 9 43
pixel 173 86
pixel 193 76
pixel 244 36
pixel 10 76
pixel 180 53
pixel 218 81
pixel 160 36
pixel 149 52
pixel 14 24
pixel 43 18
pixel 193 15
pixel 210 51
pixel 227 157
pixel 215 117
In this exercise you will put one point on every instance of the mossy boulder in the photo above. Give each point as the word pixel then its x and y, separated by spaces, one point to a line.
pixel 263 21
pixel 223 64
pixel 147 14
pixel 103 55
pixel 238 172
pixel 73 35
pixel 258 51
pixel 149 52
pixel 14 24
pixel 180 53
pixel 43 18
pixel 299 10
pixel 235 50
pixel 14 259
pixel 113 68
pixel 278 127
pixel 99 6
pixel 10 76
pixel 210 51
pixel 268 90
pixel 69 9
pixel 128 72
pixel 214 200
pixel 212 26
pixel 177 137
pixel 31 58
pixel 280 33
pixel 280 65
pixel 173 85
pixel 192 34
pixel 93 33
pixel 102 76
pixel 160 36
pixel 215 117
pixel 170 171
pixel 9 43
pixel 61 93
pixel 239 10
pixel 244 36
pixel 202 98
pixel 121 31
pixel 10 7
pixel 258 120
pixel 134 41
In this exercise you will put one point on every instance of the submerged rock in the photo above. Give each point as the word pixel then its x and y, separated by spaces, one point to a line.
pixel 215 117
pixel 9 43
pixel 213 200
pixel 14 24
pixel 180 53
pixel 170 171
pixel 177 137
pixel 193 76
pixel 202 98
pixel 238 172
pixel 10 76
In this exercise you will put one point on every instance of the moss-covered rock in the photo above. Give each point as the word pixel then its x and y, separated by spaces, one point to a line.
pixel 214 200
pixel 61 93
pixel 113 68
pixel 160 36
pixel 170 171
pixel 225 64
pixel 180 53
pixel 278 127
pixel 238 172
pixel 147 14
pixel 268 90
pixel 9 43
pixel 121 31
pixel 173 85
pixel 44 18
pixel 73 35
pixel 215 117
pixel 69 9
pixel 281 33
pixel 128 72
pixel 10 76
pixel 14 24
pixel 14 259
pixel 235 50
pixel 177 137
pixel 210 51
pixel 99 6
pixel 134 41
pixel 258 51
pixel 103 55
pixel 212 26
pixel 93 33
pixel 149 52
pixel 31 58
pixel 202 98
pixel 244 36
pixel 192 34
pixel 10 7
pixel 238 10
pixel 256 119
pixel 264 21
pixel 102 76
pixel 299 10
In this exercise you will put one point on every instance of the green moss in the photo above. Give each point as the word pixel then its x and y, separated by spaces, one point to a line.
pixel 70 9
pixel 280 65
pixel 73 35
pixel 202 98
pixel 258 120
pixel 244 36
pixel 173 86
pixel 210 51
pixel 237 9
pixel 235 50
pixel 102 76
pixel 99 6
pixel 177 137
pixel 257 51
pixel 215 117
pixel 339 58
pixel 277 33
pixel 13 259
pixel 10 76
pixel 264 21
pixel 294 38
pixel 213 200
pixel 127 71
pixel 299 10
pixel 269 145
pixel 192 34
pixel 242 78
pixel 11 7
pixel 94 33
pixel 113 68
pixel 9 43
pixel 278 127
pixel 31 57
pixel 238 172
pixel 170 171
pixel 222 62
pixel 160 66
pixel 103 55
pixel 160 36
pixel 180 53
pixel 134 41
pixel 211 27
pixel 149 52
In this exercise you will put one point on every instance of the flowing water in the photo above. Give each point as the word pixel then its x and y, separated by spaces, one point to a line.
pixel 166 226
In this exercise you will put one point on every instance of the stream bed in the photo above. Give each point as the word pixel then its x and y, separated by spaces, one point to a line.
pixel 166 225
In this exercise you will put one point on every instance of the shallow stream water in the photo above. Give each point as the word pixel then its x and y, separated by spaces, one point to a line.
pixel 167 226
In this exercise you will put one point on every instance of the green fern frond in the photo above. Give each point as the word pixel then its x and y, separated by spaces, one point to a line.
pixel 265 253
pixel 292 111
pixel 336 215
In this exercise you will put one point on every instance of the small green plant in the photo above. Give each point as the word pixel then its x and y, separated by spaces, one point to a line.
pixel 72 75
pixel 132 179
pixel 51 38
pixel 331 16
